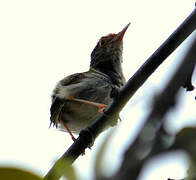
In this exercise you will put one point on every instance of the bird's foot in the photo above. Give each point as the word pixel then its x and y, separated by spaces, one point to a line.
pixel 115 92
pixel 72 136
pixel 101 108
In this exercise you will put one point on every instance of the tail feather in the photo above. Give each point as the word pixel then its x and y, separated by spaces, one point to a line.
pixel 55 111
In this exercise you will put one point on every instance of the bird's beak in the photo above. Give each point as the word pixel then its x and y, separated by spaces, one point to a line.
pixel 119 37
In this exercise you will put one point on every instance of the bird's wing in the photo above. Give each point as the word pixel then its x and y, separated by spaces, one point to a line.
pixel 72 79
pixel 57 102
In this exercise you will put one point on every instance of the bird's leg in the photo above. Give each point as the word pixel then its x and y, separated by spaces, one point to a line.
pixel 68 130
pixel 72 136
pixel 100 106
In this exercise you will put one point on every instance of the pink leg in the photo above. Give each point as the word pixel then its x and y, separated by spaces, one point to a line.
pixel 100 106
pixel 68 130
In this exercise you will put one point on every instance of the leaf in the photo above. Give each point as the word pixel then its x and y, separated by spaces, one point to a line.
pixel 10 173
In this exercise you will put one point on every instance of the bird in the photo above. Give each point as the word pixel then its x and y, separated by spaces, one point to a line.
pixel 79 99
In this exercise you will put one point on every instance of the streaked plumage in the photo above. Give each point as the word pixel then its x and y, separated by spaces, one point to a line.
pixel 94 85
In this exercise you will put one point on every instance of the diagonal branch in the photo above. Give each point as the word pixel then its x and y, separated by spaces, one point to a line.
pixel 88 135
pixel 150 140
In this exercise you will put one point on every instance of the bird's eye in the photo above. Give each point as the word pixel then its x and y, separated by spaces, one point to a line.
pixel 102 42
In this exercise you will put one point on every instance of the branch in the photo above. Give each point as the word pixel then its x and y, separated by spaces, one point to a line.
pixel 150 140
pixel 87 136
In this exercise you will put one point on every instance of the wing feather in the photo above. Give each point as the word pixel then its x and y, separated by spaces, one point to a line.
pixel 57 102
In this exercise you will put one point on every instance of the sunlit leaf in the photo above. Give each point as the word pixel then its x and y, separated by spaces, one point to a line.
pixel 10 173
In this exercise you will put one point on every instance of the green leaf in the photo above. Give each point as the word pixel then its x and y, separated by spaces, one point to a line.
pixel 10 173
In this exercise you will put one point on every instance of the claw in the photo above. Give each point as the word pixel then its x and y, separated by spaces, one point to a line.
pixel 101 108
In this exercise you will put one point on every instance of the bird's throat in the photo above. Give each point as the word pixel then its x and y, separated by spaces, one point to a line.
pixel 113 70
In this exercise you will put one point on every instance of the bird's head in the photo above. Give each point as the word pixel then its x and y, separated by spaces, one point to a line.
pixel 107 54
pixel 108 48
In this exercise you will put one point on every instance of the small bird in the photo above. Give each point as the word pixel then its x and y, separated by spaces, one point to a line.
pixel 80 99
